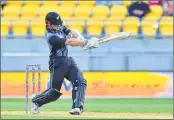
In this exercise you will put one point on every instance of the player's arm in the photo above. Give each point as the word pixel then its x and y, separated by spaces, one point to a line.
pixel 66 30
pixel 60 41
pixel 75 42
pixel 86 44
pixel 57 40
pixel 72 38
pixel 76 39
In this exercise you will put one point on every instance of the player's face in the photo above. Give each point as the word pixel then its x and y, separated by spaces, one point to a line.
pixel 57 27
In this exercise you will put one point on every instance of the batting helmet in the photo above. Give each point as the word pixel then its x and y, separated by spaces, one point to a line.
pixel 53 22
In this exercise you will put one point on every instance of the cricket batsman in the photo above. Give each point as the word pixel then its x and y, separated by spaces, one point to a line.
pixel 61 66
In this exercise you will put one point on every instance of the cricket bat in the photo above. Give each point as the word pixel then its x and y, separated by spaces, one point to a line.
pixel 116 36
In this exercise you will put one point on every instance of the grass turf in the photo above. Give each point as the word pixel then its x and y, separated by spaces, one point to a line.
pixel 132 105
pixel 41 117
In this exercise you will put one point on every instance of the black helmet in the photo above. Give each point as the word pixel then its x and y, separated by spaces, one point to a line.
pixel 53 18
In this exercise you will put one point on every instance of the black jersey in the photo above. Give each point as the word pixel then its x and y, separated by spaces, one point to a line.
pixel 56 42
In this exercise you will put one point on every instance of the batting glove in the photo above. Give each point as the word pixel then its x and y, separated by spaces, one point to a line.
pixel 91 44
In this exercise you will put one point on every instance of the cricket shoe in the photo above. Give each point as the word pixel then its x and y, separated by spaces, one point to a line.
pixel 76 111
pixel 35 109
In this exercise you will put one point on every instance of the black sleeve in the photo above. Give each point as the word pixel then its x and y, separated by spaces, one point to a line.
pixel 66 30
pixel 56 40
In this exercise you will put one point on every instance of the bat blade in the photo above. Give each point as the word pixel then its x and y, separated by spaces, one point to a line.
pixel 117 36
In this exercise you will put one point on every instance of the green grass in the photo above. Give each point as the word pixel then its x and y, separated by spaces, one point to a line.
pixel 99 105
pixel 94 105
pixel 40 117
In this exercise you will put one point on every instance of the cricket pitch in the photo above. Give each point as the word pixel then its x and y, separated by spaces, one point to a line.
pixel 94 115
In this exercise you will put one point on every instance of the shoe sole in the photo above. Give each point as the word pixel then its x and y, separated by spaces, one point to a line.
pixel 75 113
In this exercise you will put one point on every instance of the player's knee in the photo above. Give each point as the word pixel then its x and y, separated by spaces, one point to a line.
pixel 84 82
pixel 79 82
pixel 47 96
pixel 56 84
pixel 54 94
pixel 50 94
